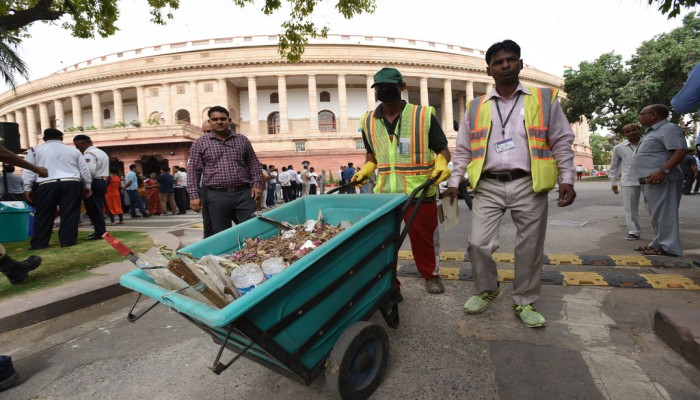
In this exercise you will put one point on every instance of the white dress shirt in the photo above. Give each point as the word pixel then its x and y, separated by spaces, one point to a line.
pixel 97 162
pixel 62 162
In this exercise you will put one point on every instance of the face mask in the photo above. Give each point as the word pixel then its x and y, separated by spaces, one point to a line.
pixel 390 95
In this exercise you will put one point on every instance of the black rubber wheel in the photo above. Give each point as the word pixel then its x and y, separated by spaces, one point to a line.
pixel 355 367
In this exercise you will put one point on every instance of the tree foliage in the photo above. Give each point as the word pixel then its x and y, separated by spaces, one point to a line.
pixel 611 94
pixel 93 18
pixel 601 146
pixel 674 7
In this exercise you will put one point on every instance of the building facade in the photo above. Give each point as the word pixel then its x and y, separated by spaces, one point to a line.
pixel 147 105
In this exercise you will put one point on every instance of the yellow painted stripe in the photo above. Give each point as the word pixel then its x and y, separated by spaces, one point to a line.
pixel 449 273
pixel 504 257
pixel 583 279
pixel 506 275
pixel 560 259
pixel 670 281
pixel 452 256
pixel 631 261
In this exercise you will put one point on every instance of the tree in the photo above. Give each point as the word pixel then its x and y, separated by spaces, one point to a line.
pixel 610 95
pixel 601 146
pixel 673 7
pixel 11 63
pixel 92 18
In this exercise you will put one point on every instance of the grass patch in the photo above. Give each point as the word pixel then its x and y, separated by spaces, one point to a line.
pixel 61 265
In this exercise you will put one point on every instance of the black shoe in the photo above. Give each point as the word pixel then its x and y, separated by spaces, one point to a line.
pixel 8 375
pixel 93 236
pixel 135 216
pixel 397 296
pixel 18 271
pixel 147 215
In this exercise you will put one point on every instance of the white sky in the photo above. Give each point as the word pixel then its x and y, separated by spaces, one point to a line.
pixel 552 33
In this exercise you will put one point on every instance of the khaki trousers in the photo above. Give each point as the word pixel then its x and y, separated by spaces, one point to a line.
pixel 529 213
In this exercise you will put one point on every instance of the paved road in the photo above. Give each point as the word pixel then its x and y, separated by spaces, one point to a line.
pixel 599 343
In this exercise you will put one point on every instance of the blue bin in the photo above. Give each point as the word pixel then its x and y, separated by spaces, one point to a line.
pixel 14 219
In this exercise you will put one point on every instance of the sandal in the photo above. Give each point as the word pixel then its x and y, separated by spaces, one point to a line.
pixel 658 252
pixel 644 248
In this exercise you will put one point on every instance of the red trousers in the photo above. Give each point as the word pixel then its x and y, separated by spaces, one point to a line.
pixel 422 233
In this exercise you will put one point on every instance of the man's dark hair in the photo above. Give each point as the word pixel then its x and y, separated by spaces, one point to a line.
pixel 660 109
pixel 132 167
pixel 350 165
pixel 507 45
pixel 182 169
pixel 284 168
pixel 264 166
pixel 176 167
pixel 290 167
pixel 217 109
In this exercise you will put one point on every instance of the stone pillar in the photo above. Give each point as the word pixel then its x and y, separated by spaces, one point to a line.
pixel 59 114
pixel 313 104
pixel 44 121
pixel 77 111
pixel 448 106
pixel 489 87
pixel 343 103
pixel 32 130
pixel 10 117
pixel 167 116
pixel 141 105
pixel 424 98
pixel 3 118
pixel 22 122
pixel 118 105
pixel 370 93
pixel 253 105
pixel 223 92
pixel 196 117
pixel 284 115
pixel 460 108
pixel 96 110
pixel 470 91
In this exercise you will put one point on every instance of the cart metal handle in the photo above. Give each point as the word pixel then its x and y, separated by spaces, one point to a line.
pixel 343 186
pixel 423 190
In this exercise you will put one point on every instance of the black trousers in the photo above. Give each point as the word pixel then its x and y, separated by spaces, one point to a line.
pixel 95 205
pixel 226 207
pixel 66 196
pixel 180 195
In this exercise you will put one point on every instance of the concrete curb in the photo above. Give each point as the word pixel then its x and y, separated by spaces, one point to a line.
pixel 39 306
pixel 680 329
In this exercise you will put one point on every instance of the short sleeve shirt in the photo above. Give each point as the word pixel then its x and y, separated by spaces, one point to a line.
pixel 656 146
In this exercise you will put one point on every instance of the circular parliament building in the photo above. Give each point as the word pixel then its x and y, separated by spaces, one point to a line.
pixel 146 106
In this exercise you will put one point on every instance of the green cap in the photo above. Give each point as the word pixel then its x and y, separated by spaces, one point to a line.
pixel 387 75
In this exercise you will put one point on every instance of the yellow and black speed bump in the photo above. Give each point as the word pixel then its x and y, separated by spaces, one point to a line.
pixel 552 278
pixel 627 280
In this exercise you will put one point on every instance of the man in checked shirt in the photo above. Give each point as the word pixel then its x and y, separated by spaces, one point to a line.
pixel 229 171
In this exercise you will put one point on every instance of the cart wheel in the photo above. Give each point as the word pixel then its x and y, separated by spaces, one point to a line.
pixel 356 364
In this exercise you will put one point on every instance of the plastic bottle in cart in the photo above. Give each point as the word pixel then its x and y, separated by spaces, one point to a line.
pixel 247 277
pixel 273 266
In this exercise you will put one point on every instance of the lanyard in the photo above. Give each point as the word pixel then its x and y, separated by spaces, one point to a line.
pixel 500 117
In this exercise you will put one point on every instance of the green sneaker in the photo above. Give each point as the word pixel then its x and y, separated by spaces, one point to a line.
pixel 479 302
pixel 530 317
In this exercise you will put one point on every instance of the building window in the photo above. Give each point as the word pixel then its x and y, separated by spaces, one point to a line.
pixel 182 116
pixel 274 98
pixel 273 123
pixel 300 146
pixel 106 114
pixel 325 97
pixel 359 144
pixel 326 121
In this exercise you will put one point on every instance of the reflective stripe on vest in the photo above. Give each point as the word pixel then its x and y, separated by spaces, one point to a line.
pixel 401 173
pixel 538 105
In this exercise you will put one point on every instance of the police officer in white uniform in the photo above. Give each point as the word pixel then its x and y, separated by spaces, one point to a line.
pixel 68 179
pixel 98 164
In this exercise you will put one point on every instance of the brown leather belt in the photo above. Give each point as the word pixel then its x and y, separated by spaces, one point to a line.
pixel 230 189
pixel 506 176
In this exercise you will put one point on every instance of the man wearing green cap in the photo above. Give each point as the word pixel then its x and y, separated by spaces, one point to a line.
pixel 406 145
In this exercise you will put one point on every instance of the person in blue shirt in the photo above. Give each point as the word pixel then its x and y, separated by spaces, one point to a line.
pixel 132 189
pixel 347 176
pixel 688 98
pixel 166 192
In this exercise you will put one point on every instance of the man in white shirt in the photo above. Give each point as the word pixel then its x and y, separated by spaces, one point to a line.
pixel 294 182
pixel 98 164
pixel 286 183
pixel 305 181
pixel 620 167
pixel 180 189
pixel 68 179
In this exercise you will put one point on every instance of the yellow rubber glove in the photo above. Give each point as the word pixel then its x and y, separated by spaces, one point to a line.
pixel 441 172
pixel 364 173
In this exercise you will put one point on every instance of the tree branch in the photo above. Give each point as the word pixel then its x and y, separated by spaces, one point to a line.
pixel 40 12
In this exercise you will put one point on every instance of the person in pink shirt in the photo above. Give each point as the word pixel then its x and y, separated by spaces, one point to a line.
pixel 514 141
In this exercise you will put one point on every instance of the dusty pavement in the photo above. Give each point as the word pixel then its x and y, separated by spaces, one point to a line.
pixel 599 342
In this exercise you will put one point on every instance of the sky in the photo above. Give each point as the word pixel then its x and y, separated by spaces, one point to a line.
pixel 551 33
